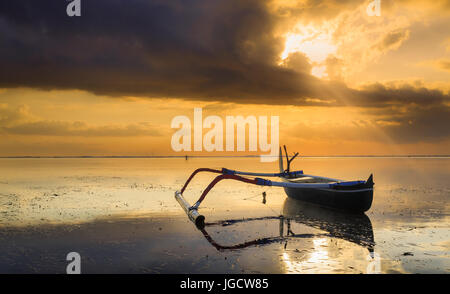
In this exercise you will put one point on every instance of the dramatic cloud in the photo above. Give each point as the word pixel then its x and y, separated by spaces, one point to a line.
pixel 207 50
pixel 401 126
pixel 378 95
pixel 420 125
pixel 392 40
pixel 225 51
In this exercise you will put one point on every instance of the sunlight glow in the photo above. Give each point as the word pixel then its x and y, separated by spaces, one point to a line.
pixel 319 71
pixel 316 44
pixel 318 256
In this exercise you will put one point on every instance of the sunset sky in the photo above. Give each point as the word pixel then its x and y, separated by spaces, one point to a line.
pixel 110 81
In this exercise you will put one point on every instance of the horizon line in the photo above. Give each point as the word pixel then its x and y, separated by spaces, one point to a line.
pixel 217 156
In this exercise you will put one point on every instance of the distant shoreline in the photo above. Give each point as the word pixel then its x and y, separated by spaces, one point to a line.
pixel 223 156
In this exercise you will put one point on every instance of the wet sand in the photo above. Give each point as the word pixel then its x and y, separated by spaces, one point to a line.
pixel 121 216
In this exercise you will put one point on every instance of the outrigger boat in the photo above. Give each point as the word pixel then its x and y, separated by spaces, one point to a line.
pixel 349 196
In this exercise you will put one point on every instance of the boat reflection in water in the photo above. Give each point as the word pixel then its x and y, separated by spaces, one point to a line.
pixel 324 257
pixel 355 228
pixel 314 231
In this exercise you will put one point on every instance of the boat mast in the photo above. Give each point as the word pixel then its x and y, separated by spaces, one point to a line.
pixel 288 169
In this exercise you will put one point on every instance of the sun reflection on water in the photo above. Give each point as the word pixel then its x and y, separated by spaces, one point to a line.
pixel 313 261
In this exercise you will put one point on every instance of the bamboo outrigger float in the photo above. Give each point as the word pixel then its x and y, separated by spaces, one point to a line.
pixel 350 196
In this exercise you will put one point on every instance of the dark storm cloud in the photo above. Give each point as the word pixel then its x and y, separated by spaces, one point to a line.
pixel 204 50
pixel 188 49
pixel 421 124
pixel 215 50
pixel 408 114
pixel 379 95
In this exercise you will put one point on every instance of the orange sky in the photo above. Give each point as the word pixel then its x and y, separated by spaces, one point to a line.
pixel 380 84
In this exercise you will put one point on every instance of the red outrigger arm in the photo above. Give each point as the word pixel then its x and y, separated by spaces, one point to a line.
pixel 192 211
pixel 196 172
pixel 218 179
pixel 226 174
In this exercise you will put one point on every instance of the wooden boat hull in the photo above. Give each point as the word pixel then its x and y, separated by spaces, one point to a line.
pixel 355 197
pixel 351 200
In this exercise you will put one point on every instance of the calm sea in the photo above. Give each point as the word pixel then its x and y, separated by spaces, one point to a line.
pixel 121 215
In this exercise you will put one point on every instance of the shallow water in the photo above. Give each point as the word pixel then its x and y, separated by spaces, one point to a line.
pixel 121 216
